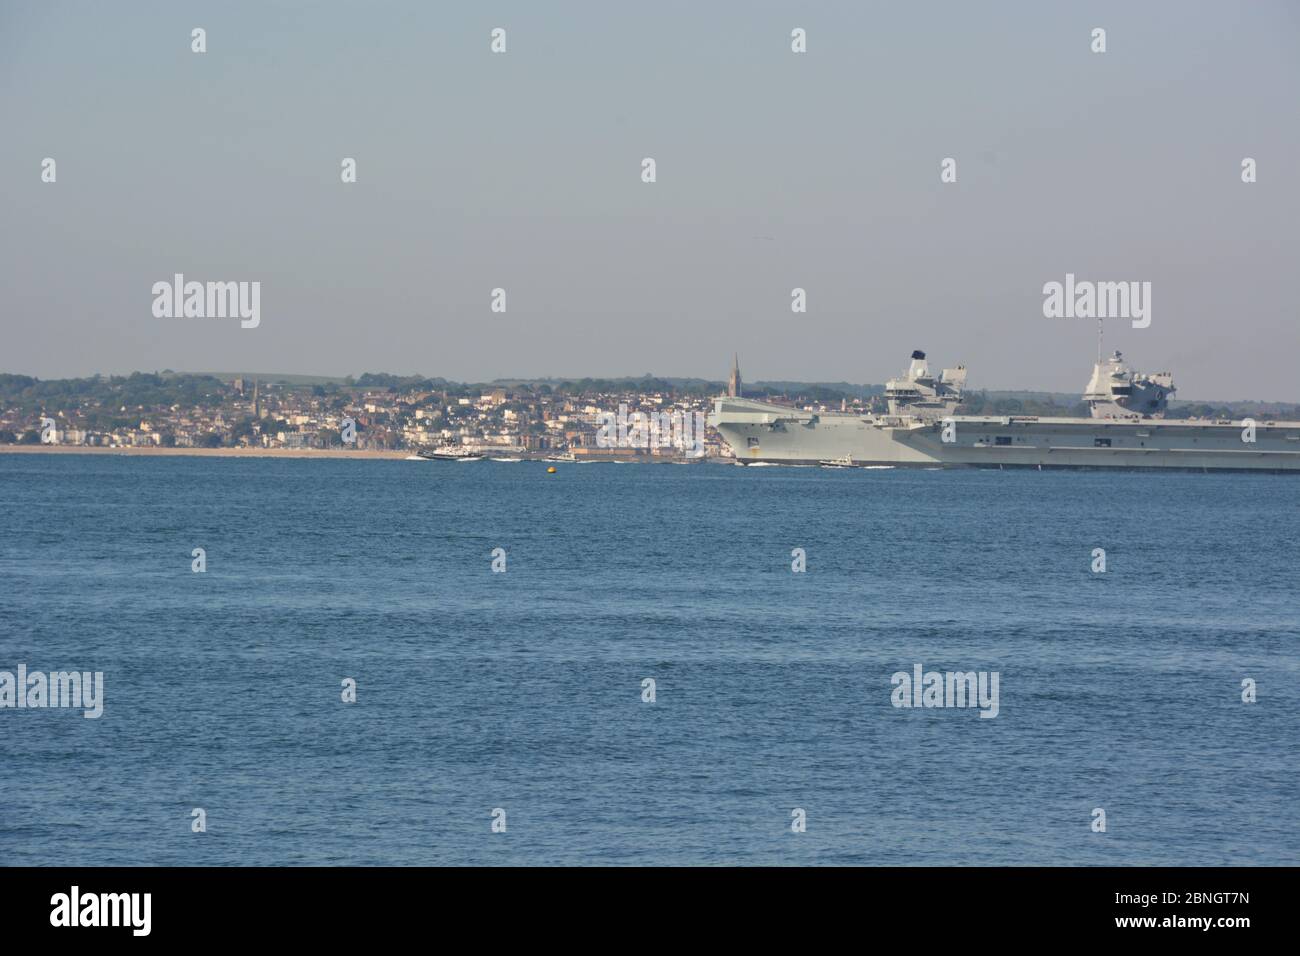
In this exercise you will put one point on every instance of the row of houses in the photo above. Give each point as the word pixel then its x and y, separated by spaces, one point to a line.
pixel 283 416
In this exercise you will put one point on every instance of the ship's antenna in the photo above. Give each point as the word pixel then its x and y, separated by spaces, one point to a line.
pixel 1099 321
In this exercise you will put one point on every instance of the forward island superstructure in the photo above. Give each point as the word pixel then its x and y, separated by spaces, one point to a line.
pixel 921 428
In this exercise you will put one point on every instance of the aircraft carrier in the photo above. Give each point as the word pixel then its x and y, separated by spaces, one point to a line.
pixel 1127 428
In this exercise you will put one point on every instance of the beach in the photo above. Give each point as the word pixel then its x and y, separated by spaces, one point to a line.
pixel 205 452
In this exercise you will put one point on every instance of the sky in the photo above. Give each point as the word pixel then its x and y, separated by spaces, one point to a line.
pixel 774 170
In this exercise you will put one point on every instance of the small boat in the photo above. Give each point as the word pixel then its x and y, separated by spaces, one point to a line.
pixel 569 457
pixel 449 453
pixel 507 459
pixel 844 462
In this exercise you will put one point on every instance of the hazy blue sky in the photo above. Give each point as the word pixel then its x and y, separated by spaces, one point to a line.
pixel 775 170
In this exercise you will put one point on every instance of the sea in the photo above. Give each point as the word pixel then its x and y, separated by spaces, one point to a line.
pixel 645 679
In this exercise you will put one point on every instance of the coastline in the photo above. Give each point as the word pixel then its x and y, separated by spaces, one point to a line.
pixel 320 453
pixel 204 452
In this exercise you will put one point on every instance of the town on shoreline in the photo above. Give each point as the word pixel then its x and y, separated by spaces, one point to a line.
pixel 378 416
pixel 388 416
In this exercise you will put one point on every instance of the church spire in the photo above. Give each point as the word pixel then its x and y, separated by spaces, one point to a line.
pixel 733 384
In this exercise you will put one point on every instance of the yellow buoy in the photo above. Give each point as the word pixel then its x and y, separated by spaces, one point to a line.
pixel 551 470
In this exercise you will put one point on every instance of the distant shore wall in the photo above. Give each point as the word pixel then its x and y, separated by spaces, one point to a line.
pixel 202 452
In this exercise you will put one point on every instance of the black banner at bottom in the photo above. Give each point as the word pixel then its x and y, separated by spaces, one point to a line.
pixel 1221 906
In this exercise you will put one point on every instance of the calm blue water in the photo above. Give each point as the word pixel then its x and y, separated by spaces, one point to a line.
pixel 523 690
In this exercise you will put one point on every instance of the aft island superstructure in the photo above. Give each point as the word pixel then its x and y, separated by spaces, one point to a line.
pixel 921 428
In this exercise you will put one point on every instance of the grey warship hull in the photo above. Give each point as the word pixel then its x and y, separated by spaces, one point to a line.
pixel 762 432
